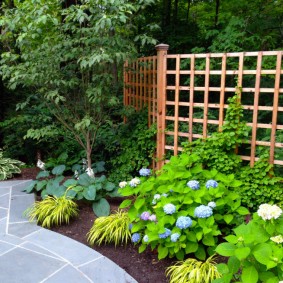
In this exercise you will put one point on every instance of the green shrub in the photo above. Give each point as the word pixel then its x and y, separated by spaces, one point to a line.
pixel 52 211
pixel 8 167
pixel 254 249
pixel 131 146
pixel 260 185
pixel 164 203
pixel 110 229
pixel 193 271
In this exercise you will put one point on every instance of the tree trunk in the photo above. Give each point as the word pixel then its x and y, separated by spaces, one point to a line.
pixel 88 150
pixel 188 11
pixel 217 2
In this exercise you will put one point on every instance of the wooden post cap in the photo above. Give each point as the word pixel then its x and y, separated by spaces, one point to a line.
pixel 162 47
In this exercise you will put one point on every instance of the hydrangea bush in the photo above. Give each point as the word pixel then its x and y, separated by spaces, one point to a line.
pixel 182 210
pixel 255 249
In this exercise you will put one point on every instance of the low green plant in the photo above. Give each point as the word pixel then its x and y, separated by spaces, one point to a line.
pixel 132 146
pixel 193 271
pixel 178 217
pixel 52 211
pixel 8 167
pixel 260 185
pixel 94 190
pixel 255 249
pixel 110 229
pixel 218 151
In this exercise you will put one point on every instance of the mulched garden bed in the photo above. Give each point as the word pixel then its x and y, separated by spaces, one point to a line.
pixel 144 267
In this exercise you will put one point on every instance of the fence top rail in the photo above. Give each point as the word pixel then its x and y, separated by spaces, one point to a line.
pixel 229 54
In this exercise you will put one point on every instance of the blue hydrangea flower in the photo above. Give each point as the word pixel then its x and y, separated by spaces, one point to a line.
pixel 145 238
pixel 193 184
pixel 203 211
pixel 144 172
pixel 130 226
pixel 175 237
pixel 212 204
pixel 145 215
pixel 169 208
pixel 136 237
pixel 184 222
pixel 155 198
pixel 164 195
pixel 211 184
pixel 134 182
pixel 166 234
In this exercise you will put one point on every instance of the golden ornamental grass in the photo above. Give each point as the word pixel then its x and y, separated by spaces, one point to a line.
pixel 52 211
pixel 193 271
pixel 110 229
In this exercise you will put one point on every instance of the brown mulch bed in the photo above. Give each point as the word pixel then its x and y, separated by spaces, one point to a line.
pixel 144 267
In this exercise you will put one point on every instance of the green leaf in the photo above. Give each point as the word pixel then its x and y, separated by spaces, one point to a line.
pixel 70 182
pixel 191 247
pixel 139 203
pixel 101 207
pixel 42 174
pixel 30 187
pixel 222 268
pixel 262 253
pixel 242 210
pixel 228 218
pixel 90 192
pixel 226 249
pixel 109 186
pixel 58 170
pixel 200 253
pixel 249 274
pixel 125 203
pixel 234 264
pixel 162 252
pixel 242 253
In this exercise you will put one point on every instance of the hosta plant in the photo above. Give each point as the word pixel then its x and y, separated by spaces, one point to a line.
pixel 114 228
pixel 8 167
pixel 193 271
pixel 94 190
pixel 255 249
pixel 52 211
pixel 182 210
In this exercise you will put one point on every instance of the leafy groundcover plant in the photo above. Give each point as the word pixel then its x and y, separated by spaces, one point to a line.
pixel 8 167
pixel 182 210
pixel 254 249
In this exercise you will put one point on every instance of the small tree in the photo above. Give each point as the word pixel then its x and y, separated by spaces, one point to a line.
pixel 70 57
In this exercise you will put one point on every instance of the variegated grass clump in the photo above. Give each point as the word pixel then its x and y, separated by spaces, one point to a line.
pixel 52 211
pixel 110 229
pixel 193 271
pixel 8 167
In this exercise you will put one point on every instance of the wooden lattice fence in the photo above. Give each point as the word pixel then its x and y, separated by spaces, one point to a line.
pixel 186 95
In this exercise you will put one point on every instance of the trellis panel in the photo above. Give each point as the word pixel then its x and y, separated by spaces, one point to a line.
pixel 187 95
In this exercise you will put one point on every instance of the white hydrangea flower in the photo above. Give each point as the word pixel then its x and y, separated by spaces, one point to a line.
pixel 268 211
pixel 134 182
pixel 40 164
pixel 90 172
pixel 277 239
pixel 123 184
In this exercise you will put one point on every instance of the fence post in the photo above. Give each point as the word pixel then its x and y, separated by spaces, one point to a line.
pixel 161 99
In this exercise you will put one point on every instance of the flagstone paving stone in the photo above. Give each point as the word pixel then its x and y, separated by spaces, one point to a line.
pixel 31 254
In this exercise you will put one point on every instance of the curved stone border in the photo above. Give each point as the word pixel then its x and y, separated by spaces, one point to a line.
pixel 31 254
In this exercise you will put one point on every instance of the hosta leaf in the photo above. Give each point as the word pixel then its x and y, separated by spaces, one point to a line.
pixel 101 207
pixel 58 170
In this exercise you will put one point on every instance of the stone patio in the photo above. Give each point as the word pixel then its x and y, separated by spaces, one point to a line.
pixel 31 254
